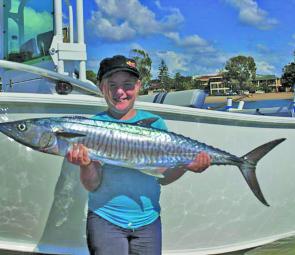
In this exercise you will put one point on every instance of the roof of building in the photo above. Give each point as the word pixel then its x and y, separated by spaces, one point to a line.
pixel 260 77
pixel 207 76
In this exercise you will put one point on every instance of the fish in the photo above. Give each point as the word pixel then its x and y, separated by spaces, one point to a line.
pixel 135 145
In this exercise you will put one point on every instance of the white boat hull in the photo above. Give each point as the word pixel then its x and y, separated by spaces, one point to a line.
pixel 43 205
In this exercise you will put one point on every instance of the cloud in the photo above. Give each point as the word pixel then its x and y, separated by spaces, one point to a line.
pixel 137 46
pixel 193 43
pixel 118 20
pixel 190 64
pixel 175 62
pixel 40 22
pixel 262 49
pixel 35 22
pixel 107 29
pixel 162 8
pixel 264 68
pixel 251 14
pixel 292 42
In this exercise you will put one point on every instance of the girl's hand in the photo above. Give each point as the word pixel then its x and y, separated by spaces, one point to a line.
pixel 78 155
pixel 201 162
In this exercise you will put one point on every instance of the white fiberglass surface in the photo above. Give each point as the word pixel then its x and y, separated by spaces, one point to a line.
pixel 43 204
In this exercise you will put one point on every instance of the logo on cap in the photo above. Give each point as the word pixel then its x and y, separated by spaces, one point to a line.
pixel 131 64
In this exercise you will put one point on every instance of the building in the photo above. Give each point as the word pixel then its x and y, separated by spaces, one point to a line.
pixel 268 83
pixel 215 83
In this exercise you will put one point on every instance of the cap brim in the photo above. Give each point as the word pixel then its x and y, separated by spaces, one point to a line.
pixel 122 69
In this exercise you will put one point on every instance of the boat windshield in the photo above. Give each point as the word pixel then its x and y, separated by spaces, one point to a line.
pixel 28 26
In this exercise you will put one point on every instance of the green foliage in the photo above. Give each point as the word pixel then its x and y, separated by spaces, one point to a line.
pixel 183 83
pixel 288 77
pixel 177 82
pixel 163 76
pixel 90 75
pixel 239 72
pixel 144 65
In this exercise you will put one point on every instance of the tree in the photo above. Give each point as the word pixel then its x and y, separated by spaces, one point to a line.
pixel 163 76
pixel 197 84
pixel 186 82
pixel 144 65
pixel 178 81
pixel 90 75
pixel 288 77
pixel 240 71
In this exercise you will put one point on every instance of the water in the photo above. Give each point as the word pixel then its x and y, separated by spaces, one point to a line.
pixel 3 114
pixel 283 104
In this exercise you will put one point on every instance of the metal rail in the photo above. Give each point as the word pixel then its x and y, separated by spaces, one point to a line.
pixel 86 86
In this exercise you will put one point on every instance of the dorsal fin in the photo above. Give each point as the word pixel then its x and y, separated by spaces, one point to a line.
pixel 146 122
pixel 75 117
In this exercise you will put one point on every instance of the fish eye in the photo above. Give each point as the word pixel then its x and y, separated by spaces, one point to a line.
pixel 22 127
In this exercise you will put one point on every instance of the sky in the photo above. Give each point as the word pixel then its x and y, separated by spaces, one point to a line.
pixel 193 37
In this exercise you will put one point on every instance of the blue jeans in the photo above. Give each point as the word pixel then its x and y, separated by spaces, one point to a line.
pixel 105 238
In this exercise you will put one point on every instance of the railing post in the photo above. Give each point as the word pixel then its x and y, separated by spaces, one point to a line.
pixel 58 30
pixel 293 106
pixel 80 30
pixel 71 24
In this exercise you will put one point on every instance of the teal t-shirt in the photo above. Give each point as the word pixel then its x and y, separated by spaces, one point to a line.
pixel 126 197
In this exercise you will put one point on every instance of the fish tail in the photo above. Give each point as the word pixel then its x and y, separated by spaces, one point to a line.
pixel 248 166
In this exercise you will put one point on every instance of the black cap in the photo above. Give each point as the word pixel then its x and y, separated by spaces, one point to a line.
pixel 115 64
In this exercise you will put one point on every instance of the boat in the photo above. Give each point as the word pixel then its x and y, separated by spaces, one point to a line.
pixel 42 203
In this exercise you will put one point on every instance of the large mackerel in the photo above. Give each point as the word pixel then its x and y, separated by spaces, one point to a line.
pixel 137 145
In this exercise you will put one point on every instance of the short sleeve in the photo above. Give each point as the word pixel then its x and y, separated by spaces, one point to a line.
pixel 160 124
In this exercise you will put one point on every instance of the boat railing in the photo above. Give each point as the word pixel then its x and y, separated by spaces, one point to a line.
pixel 61 51
pixel 64 52
pixel 86 86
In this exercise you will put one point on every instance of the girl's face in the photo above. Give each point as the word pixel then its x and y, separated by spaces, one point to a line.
pixel 120 91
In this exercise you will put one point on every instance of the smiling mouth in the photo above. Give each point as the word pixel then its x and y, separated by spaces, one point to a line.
pixel 118 100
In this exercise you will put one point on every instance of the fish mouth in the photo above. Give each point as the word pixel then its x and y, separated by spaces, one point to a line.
pixel 5 129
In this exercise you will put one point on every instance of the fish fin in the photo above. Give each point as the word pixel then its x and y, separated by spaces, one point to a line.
pixel 152 173
pixel 92 155
pixel 248 166
pixel 66 134
pixel 75 117
pixel 146 122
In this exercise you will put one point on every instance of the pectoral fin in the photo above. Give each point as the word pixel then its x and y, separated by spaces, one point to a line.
pixel 152 173
pixel 146 122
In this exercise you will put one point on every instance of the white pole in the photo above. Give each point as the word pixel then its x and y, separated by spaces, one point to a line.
pixel 241 105
pixel 58 30
pixel 71 24
pixel 229 104
pixel 80 29
pixel 71 21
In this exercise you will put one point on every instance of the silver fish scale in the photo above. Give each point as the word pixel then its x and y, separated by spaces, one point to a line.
pixel 137 146
pixel 146 149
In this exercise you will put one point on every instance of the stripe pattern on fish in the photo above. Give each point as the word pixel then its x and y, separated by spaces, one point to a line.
pixel 137 145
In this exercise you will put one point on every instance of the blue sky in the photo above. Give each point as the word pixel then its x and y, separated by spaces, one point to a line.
pixel 193 37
